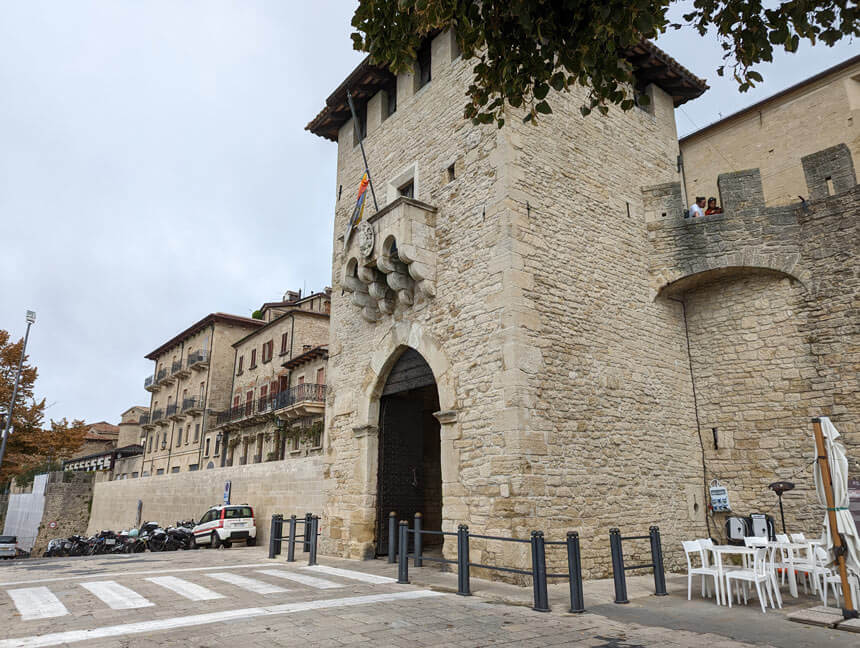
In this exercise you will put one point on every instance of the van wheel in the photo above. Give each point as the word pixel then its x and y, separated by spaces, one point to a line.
pixel 250 542
pixel 226 544
pixel 215 543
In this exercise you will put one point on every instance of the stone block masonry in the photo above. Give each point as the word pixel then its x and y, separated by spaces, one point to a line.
pixel 276 487
pixel 68 498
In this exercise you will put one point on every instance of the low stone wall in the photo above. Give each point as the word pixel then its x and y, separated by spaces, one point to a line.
pixel 287 487
pixel 68 497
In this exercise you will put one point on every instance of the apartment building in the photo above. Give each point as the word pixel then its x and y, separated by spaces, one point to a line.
pixel 277 401
pixel 191 381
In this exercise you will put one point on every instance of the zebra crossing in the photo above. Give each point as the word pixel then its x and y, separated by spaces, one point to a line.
pixel 40 602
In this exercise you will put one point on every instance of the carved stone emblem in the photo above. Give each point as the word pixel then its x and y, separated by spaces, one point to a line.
pixel 366 239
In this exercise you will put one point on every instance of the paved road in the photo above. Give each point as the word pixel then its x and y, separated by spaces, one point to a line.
pixel 239 598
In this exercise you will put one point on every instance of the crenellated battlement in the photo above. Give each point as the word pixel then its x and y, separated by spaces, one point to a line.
pixel 747 234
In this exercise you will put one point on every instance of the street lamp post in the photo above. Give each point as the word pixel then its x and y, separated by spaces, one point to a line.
pixel 31 318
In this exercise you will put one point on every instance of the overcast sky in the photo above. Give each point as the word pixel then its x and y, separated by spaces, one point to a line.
pixel 154 168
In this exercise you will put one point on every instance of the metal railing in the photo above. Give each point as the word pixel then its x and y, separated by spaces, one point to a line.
pixel 618 568
pixel 157 415
pixel 161 375
pixel 304 393
pixel 196 357
pixel 176 366
pixel 143 420
pixel 537 572
pixel 309 535
pixel 172 409
pixel 147 382
pixel 195 402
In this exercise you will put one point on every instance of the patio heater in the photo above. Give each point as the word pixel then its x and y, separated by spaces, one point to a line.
pixel 779 488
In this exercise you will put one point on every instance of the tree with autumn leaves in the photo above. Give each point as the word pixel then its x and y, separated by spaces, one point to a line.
pixel 32 445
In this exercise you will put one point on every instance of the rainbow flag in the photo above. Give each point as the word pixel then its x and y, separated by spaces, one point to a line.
pixel 358 212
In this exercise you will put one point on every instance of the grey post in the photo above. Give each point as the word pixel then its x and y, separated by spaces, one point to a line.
pixel 31 317
pixel 275 536
pixel 463 561
pixel 657 560
pixel 403 558
pixel 392 537
pixel 291 542
pixel 574 572
pixel 306 545
pixel 314 531
pixel 416 531
pixel 541 598
pixel 618 566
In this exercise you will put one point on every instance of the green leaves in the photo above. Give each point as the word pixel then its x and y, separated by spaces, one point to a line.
pixel 524 48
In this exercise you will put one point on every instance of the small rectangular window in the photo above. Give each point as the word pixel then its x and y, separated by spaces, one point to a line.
pixel 284 338
pixel 196 432
pixel 253 362
pixel 391 99
pixel 423 71
pixel 241 362
pixel 175 469
pixel 321 376
pixel 206 451
pixel 160 471
pixel 179 437
pixel 450 172
pixel 359 131
pixel 217 446
pixel 407 190
pixel 831 190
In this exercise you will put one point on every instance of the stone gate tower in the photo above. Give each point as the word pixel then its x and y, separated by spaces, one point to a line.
pixel 499 355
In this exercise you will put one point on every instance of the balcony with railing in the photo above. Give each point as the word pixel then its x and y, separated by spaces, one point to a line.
pixel 149 384
pixel 157 416
pixel 143 420
pixel 179 369
pixel 198 360
pixel 192 405
pixel 307 399
pixel 163 377
pixel 173 412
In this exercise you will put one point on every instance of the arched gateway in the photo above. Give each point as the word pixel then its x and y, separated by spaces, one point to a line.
pixel 409 477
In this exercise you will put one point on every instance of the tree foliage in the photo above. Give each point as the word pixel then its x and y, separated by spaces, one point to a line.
pixel 31 445
pixel 523 48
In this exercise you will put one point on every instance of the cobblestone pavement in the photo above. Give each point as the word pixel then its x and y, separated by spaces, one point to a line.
pixel 239 598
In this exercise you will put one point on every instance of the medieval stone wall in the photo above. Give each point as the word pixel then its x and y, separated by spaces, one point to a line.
pixel 68 498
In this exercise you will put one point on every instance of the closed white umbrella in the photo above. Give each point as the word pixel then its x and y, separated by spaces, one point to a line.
pixel 836 502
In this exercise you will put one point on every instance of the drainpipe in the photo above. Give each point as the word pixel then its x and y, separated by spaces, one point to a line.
pixel 683 179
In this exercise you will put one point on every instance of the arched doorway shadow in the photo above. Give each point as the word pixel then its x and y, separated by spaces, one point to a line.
pixel 409 476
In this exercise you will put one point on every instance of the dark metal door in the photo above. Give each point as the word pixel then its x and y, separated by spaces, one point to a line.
pixel 400 463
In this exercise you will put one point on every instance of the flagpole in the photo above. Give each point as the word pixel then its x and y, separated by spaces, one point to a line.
pixel 849 611
pixel 361 146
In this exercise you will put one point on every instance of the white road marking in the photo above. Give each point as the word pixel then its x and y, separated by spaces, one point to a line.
pixel 117 596
pixel 137 573
pixel 185 588
pixel 310 581
pixel 144 627
pixel 250 584
pixel 37 603
pixel 353 575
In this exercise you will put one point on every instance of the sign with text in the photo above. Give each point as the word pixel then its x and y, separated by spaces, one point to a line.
pixel 227 487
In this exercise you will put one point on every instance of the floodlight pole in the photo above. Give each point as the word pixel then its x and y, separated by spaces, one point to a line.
pixel 31 318
pixel 849 611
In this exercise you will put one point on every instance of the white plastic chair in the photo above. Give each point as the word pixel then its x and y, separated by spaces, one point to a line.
pixel 692 547
pixel 757 575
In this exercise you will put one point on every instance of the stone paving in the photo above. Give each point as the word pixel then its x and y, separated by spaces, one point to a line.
pixel 238 597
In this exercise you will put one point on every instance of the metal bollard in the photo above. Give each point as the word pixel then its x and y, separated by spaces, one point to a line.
pixel 275 535
pixel 392 537
pixel 291 541
pixel 539 572
pixel 574 572
pixel 657 560
pixel 618 566
pixel 403 558
pixel 463 561
pixel 314 527
pixel 416 531
pixel 306 545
